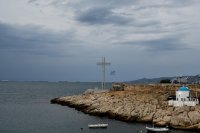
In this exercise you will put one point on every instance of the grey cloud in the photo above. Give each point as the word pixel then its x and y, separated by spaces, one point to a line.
pixel 162 44
pixel 32 1
pixel 114 3
pixel 92 3
pixel 92 12
pixel 153 23
pixel 168 4
pixel 33 40
pixel 101 16
pixel 99 12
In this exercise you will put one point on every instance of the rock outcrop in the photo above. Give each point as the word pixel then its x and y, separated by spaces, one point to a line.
pixel 142 104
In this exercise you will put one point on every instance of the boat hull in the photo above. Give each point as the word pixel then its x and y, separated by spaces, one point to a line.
pixel 157 129
pixel 98 125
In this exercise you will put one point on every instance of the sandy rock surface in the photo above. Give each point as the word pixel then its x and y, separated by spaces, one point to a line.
pixel 143 104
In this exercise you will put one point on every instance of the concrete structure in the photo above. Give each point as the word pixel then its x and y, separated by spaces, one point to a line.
pixel 183 97
pixel 118 86
pixel 180 80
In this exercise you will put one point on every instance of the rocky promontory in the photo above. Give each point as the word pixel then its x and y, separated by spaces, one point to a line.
pixel 141 103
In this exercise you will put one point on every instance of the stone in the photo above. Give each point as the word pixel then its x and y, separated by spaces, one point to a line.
pixel 138 103
pixel 181 119
pixel 194 117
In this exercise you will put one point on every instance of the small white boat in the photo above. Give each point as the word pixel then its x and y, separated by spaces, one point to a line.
pixel 98 125
pixel 158 129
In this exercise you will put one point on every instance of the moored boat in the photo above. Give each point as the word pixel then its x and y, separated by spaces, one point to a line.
pixel 98 125
pixel 157 129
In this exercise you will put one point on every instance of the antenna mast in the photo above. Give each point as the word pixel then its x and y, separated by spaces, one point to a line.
pixel 103 64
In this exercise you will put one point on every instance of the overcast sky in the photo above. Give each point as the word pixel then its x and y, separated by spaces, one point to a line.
pixel 64 39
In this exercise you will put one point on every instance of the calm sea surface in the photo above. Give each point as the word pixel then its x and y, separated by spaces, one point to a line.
pixel 25 108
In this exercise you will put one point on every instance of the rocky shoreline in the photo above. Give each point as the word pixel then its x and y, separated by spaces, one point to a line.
pixel 136 104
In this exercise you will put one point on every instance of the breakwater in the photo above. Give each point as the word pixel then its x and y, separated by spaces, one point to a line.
pixel 141 103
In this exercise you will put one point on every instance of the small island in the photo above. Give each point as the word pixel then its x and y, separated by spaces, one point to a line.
pixel 137 103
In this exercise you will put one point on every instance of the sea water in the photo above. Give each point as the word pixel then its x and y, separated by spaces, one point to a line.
pixel 25 108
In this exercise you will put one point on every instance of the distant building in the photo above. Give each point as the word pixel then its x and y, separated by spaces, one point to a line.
pixel 118 86
pixel 183 97
pixel 180 80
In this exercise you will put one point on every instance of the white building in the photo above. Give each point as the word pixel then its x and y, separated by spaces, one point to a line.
pixel 183 97
pixel 178 80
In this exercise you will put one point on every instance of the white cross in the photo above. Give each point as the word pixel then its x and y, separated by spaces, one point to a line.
pixel 103 64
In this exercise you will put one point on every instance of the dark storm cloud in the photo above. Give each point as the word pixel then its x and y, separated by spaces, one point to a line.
pixel 33 40
pixel 101 16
